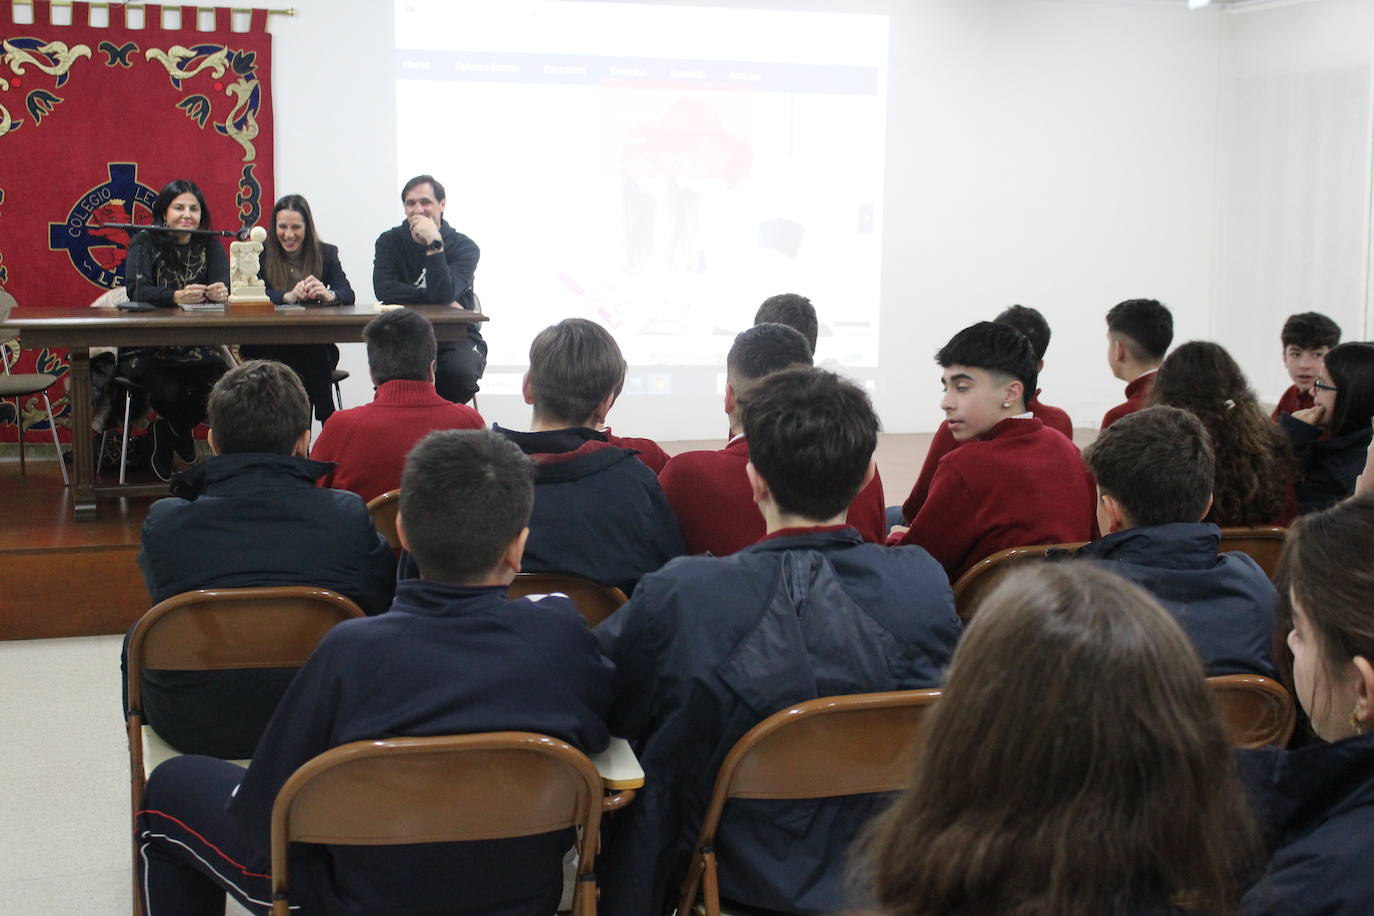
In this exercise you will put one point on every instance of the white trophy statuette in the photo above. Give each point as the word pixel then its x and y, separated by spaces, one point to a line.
pixel 244 284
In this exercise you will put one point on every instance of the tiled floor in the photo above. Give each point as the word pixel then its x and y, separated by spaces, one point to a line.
pixel 65 847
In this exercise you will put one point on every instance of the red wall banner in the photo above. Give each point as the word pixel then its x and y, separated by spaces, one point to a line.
pixel 94 121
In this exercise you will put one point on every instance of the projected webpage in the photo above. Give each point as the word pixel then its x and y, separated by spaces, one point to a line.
pixel 661 170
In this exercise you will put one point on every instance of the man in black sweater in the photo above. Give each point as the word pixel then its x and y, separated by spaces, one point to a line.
pixel 425 261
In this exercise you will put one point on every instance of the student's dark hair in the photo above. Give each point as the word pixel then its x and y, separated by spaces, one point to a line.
pixel 811 437
pixel 424 179
pixel 1310 331
pixel 274 256
pixel 400 345
pixel 465 495
pixel 993 347
pixel 258 406
pixel 793 310
pixel 1350 367
pixel 1158 463
pixel 163 242
pixel 573 366
pixel 1109 788
pixel 1254 461
pixel 764 349
pixel 1145 326
pixel 1030 322
pixel 1326 564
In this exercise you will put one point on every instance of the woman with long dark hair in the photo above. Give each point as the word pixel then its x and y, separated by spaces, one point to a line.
pixel 1344 392
pixel 1254 462
pixel 1107 786
pixel 169 269
pixel 1317 802
pixel 298 268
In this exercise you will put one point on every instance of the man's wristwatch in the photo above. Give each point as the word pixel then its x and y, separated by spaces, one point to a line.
pixel 436 245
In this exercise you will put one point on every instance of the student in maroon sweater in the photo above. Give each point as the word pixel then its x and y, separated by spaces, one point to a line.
pixel 1306 338
pixel 1030 322
pixel 369 444
pixel 709 490
pixel 1139 332
pixel 1012 482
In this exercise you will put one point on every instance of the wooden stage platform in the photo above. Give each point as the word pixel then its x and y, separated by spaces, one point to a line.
pixel 61 577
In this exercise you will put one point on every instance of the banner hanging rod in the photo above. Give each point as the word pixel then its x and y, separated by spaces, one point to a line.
pixel 290 11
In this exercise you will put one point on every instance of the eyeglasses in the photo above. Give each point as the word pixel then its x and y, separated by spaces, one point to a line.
pixel 1319 385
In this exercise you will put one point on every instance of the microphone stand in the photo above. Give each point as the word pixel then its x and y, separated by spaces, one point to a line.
pixel 240 234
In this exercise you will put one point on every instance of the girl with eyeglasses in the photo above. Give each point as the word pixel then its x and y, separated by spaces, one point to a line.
pixel 1332 437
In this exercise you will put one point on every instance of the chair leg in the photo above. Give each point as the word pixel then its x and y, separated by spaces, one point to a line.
pixel 124 446
pixel 338 396
pixel 52 425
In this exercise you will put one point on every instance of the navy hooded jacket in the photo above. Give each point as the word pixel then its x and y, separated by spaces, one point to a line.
pixel 709 647
pixel 599 512
pixel 1316 806
pixel 1223 601
pixel 250 519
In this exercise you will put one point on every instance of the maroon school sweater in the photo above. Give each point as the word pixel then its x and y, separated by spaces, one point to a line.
pixel 649 451
pixel 1292 401
pixel 369 444
pixel 710 494
pixel 944 443
pixel 1137 393
pixel 1018 485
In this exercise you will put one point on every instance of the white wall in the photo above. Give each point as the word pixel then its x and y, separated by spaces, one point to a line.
pixel 1059 153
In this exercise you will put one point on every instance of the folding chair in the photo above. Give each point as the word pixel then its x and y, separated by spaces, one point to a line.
pixel 26 385
pixel 1258 711
pixel 218 629
pixel 982 577
pixel 823 748
pixel 1264 545
pixel 596 602
pixel 383 510
pixel 440 790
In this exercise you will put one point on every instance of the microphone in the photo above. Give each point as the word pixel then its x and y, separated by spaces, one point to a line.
pixel 240 234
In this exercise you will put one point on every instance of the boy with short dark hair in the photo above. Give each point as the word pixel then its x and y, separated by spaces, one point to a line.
pixel 1154 473
pixel 1031 323
pixel 454 655
pixel 598 512
pixel 1012 482
pixel 368 444
pixel 252 516
pixel 709 490
pixel 1139 332
pixel 793 310
pixel 708 647
pixel 1306 337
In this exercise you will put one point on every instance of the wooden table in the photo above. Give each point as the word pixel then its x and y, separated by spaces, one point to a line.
pixel 81 328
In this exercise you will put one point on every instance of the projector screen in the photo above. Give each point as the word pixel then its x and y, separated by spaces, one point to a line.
pixel 658 169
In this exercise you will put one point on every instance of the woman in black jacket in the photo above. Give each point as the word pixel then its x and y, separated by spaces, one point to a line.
pixel 300 269
pixel 1317 804
pixel 1344 392
pixel 170 269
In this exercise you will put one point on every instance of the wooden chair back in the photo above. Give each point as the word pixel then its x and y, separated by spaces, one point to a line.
pixel 215 629
pixel 832 746
pixel 1263 545
pixel 1258 711
pixel 596 602
pixel 438 790
pixel 982 577
pixel 383 510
